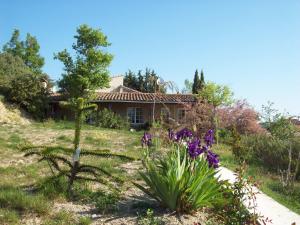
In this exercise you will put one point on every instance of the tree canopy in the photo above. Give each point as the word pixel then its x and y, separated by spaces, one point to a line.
pixel 143 82
pixel 87 71
pixel 217 95
pixel 10 67
pixel 198 83
pixel 27 50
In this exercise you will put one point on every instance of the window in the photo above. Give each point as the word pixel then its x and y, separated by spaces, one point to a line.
pixel 180 114
pixel 135 115
pixel 165 113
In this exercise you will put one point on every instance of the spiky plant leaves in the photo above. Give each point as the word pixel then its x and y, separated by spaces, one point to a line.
pixel 179 183
pixel 59 159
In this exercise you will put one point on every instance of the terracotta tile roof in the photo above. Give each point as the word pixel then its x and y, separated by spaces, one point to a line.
pixel 144 97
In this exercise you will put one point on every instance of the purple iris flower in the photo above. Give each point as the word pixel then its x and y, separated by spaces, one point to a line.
pixel 184 134
pixel 146 139
pixel 209 138
pixel 213 159
pixel 194 148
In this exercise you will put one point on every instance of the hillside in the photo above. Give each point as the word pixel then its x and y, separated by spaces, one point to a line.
pixel 11 114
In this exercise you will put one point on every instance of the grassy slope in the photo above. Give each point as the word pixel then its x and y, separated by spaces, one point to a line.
pixel 269 182
pixel 19 174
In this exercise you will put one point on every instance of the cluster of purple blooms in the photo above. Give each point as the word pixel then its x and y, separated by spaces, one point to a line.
pixel 193 143
pixel 146 139
pixel 194 146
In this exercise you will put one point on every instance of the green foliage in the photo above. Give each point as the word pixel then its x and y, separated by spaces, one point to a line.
pixel 53 187
pixel 268 151
pixel 27 50
pixel 149 219
pixel 108 119
pixel 107 202
pixel 198 83
pixel 180 184
pixel 8 217
pixel 88 70
pixel 239 153
pixel 18 200
pixel 61 160
pixel 28 91
pixel 20 85
pixel 10 67
pixel 67 218
pixel 146 82
pixel 277 124
pixel 217 95
pixel 84 220
pixel 61 164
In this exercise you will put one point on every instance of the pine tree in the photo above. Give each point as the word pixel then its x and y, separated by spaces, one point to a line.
pixel 201 82
pixel 195 87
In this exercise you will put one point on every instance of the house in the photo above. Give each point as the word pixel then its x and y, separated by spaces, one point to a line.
pixel 139 108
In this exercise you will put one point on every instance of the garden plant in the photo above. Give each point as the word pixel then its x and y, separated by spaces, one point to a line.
pixel 60 160
pixel 185 179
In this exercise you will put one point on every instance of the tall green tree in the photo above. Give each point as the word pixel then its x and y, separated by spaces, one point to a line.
pixel 15 46
pixel 88 70
pixel 27 50
pixel 198 83
pixel 216 95
pixel 131 80
pixel 196 87
pixel 201 81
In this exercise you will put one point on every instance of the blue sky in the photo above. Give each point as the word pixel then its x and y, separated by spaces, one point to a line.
pixel 252 46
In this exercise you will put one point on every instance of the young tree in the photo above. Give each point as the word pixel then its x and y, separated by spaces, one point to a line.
pixel 27 50
pixel 216 95
pixel 88 70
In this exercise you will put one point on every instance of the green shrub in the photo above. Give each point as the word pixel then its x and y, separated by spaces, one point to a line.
pixel 180 183
pixel 84 220
pixel 149 219
pixel 269 151
pixel 225 136
pixel 107 202
pixel 16 199
pixel 27 91
pixel 108 119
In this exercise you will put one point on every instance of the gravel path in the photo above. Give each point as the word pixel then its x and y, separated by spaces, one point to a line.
pixel 266 206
